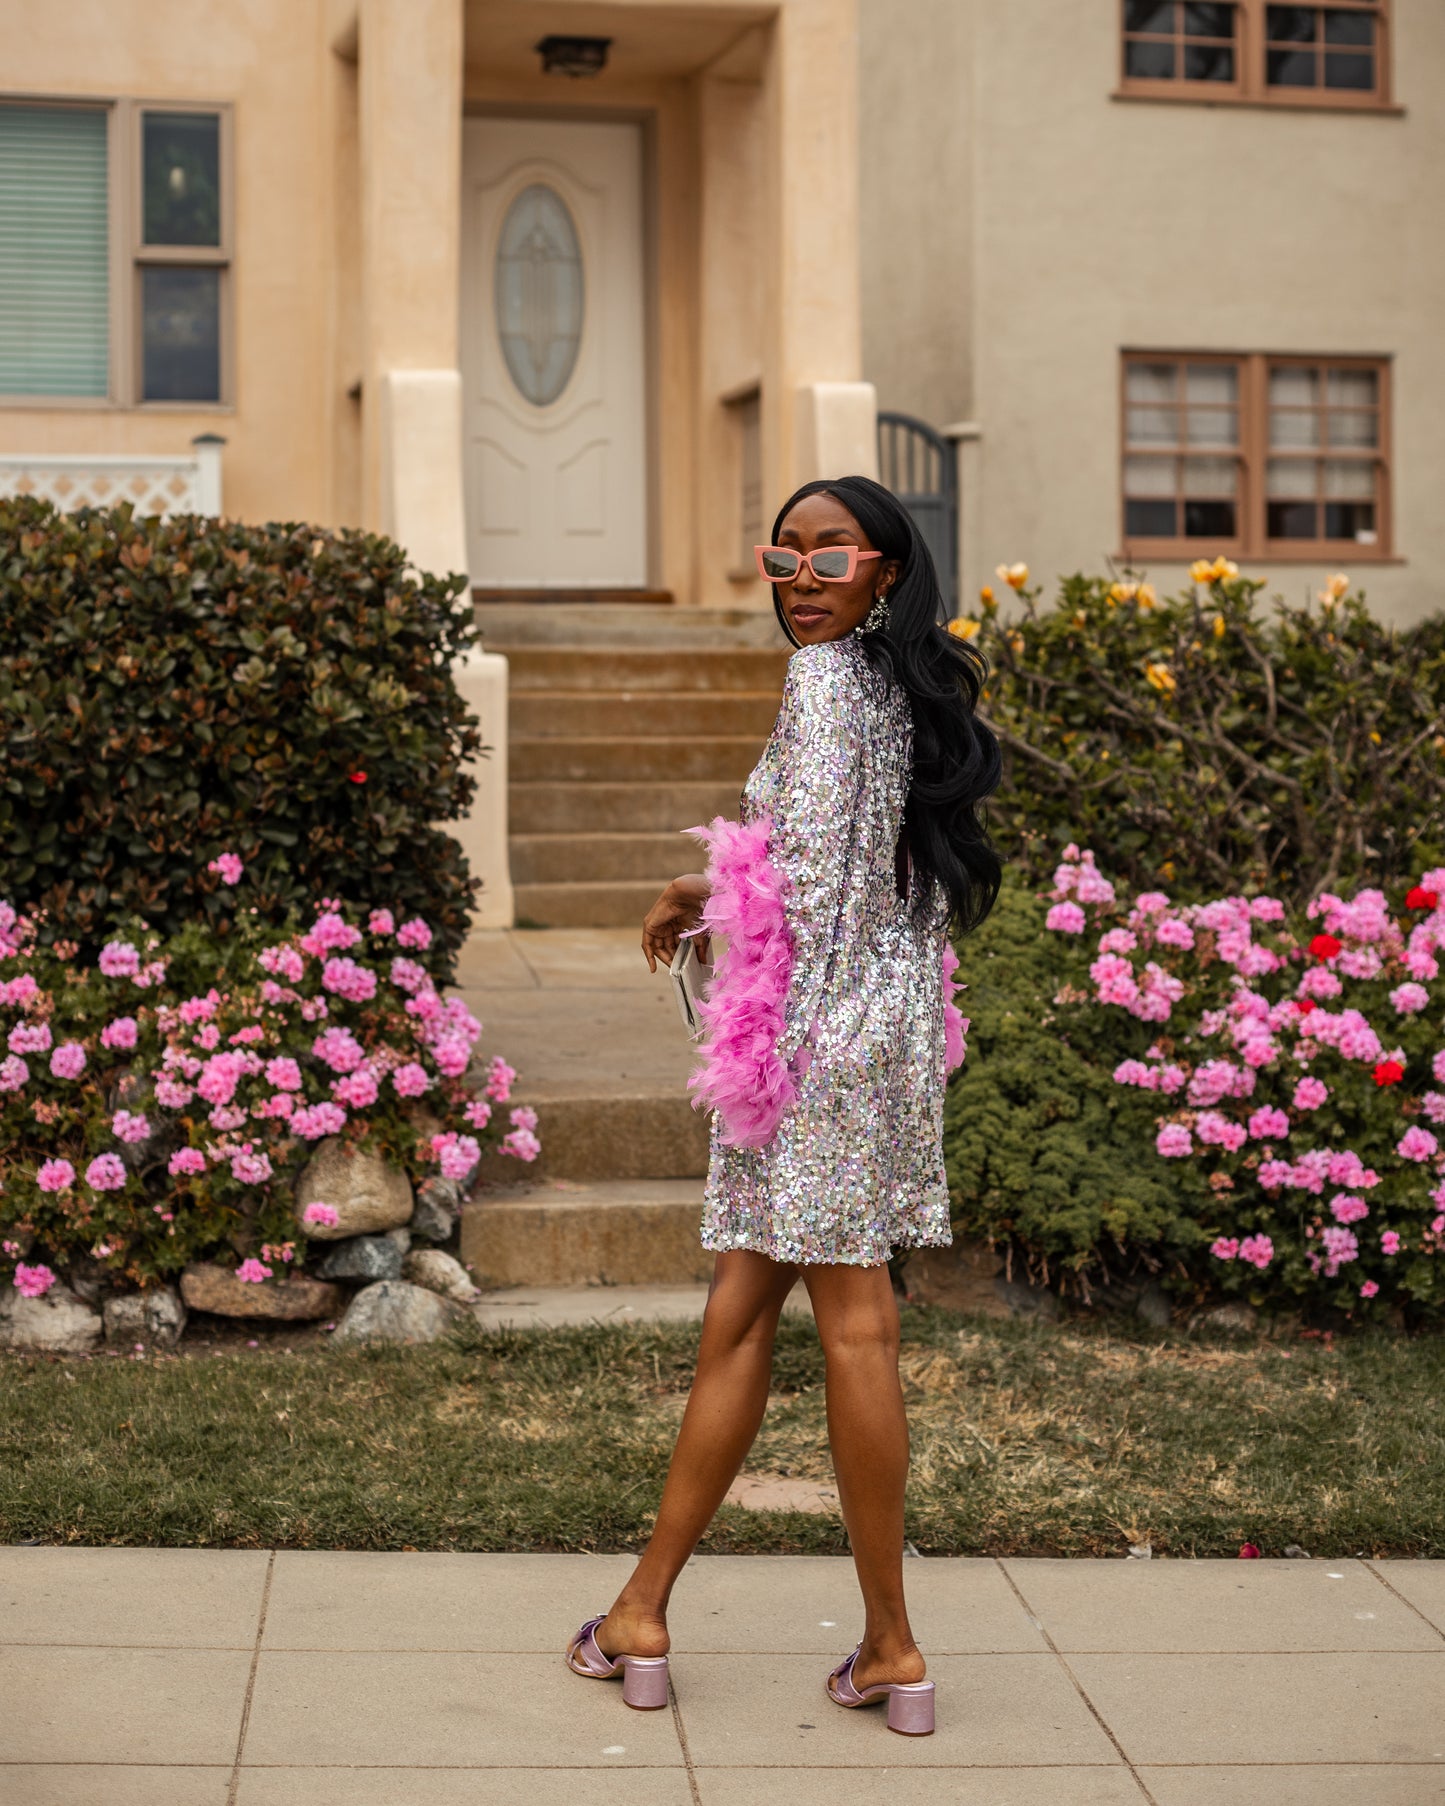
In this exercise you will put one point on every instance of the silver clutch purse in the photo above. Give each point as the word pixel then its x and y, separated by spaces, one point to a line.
pixel 690 976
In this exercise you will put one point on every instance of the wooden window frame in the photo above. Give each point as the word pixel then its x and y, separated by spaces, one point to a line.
pixel 129 255
pixel 1250 86
pixel 1254 452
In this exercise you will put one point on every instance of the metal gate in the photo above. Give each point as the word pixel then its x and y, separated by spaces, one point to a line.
pixel 921 468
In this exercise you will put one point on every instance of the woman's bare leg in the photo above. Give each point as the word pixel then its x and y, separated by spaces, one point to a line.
pixel 724 1409
pixel 868 1431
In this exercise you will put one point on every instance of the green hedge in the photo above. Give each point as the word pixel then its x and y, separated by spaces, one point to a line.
pixel 1204 743
pixel 174 689
pixel 1043 1149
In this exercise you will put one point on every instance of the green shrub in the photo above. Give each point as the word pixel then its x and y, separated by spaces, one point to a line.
pixel 1198 742
pixel 1043 1149
pixel 174 689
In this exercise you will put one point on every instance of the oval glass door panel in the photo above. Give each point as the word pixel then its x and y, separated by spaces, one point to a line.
pixel 539 293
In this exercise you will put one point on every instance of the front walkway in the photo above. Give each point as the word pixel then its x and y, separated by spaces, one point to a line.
pixel 133 1677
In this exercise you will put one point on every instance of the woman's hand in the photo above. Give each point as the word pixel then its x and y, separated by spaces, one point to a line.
pixel 675 913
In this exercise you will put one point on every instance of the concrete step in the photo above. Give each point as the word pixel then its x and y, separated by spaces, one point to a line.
pixel 651 1135
pixel 506 625
pixel 552 1307
pixel 589 903
pixel 593 858
pixel 666 668
pixel 655 808
pixel 637 1232
pixel 637 714
pixel 711 759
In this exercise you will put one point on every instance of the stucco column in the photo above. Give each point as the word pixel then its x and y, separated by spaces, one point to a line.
pixel 410 55
pixel 818 413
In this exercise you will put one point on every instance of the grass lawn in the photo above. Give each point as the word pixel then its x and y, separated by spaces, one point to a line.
pixel 1027 1441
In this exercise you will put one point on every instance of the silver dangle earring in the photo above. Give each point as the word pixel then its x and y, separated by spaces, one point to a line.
pixel 877 617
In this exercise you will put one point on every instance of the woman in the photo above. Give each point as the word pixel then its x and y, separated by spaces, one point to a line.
pixel 830 1029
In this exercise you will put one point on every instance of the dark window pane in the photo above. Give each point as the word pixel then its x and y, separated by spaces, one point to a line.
pixel 1209 21
pixel 1208 520
pixel 1150 520
pixel 1348 520
pixel 182 161
pixel 1292 520
pixel 1290 24
pixel 1349 28
pixel 1149 62
pixel 181 334
pixel 1208 63
pixel 1292 69
pixel 1150 15
pixel 1349 69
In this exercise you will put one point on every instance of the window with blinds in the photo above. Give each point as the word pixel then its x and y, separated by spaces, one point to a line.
pixel 54 251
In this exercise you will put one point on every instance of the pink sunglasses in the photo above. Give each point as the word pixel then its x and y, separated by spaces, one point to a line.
pixel 829 564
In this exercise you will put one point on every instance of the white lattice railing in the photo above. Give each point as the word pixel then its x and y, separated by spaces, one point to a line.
pixel 190 484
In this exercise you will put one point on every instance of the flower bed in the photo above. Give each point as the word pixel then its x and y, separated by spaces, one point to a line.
pixel 1295 1066
pixel 158 1106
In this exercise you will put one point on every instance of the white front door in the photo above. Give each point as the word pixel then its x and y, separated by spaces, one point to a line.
pixel 552 354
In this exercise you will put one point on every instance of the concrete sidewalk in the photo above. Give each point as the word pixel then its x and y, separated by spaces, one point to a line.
pixel 133 1677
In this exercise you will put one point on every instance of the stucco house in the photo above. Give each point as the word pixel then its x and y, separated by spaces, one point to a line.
pixel 566 295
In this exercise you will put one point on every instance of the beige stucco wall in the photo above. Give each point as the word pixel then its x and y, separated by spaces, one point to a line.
pixel 1093 224
pixel 269 59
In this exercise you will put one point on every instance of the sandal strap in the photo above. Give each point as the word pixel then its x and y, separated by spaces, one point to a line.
pixel 585 1649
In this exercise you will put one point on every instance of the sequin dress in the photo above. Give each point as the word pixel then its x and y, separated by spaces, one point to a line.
pixel 854 1168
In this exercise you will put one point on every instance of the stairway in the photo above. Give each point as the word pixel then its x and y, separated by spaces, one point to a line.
pixel 627 724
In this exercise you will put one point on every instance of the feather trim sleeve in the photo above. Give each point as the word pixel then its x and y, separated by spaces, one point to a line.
pixel 955 1024
pixel 741 1074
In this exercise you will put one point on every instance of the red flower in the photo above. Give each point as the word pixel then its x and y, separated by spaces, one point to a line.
pixel 1325 946
pixel 1420 898
pixel 1389 1072
pixel 1305 1004
pixel 358 777
pixel 1249 1552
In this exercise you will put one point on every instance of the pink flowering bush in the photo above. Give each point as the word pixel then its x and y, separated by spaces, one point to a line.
pixel 157 1104
pixel 1294 1069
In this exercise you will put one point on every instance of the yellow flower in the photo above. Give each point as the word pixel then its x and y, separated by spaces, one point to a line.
pixel 1219 627
pixel 964 627
pixel 1220 570
pixel 1015 575
pixel 1224 568
pixel 1201 571
pixel 985 595
pixel 1166 871
pixel 1123 592
pixel 1146 597
pixel 1374 737
pixel 1016 642
pixel 1161 677
pixel 1335 587
pixel 1080 619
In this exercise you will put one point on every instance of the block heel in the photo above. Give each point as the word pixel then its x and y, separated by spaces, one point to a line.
pixel 644 1678
pixel 910 1704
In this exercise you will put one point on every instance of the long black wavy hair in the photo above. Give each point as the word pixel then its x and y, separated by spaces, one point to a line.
pixel 956 760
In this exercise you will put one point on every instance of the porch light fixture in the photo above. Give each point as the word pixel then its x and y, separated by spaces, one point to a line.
pixel 573 56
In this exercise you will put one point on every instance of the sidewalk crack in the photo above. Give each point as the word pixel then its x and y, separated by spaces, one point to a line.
pixel 681 1730
pixel 1397 1594
pixel 1078 1687
pixel 234 1787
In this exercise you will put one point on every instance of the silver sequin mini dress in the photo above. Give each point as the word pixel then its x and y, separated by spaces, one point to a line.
pixel 854 1168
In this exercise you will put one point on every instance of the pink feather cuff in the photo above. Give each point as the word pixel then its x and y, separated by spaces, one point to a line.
pixel 741 1075
pixel 955 1025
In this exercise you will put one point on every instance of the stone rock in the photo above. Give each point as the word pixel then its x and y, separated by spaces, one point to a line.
pixel 57 1323
pixel 399 1238
pixel 156 1315
pixel 1028 1301
pixel 1233 1319
pixel 442 1274
pixel 295 1299
pixel 437 1205
pixel 366 1193
pixel 394 1311
pixel 365 1257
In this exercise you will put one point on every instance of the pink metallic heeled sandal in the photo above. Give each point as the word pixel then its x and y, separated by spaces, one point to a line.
pixel 644 1678
pixel 910 1703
